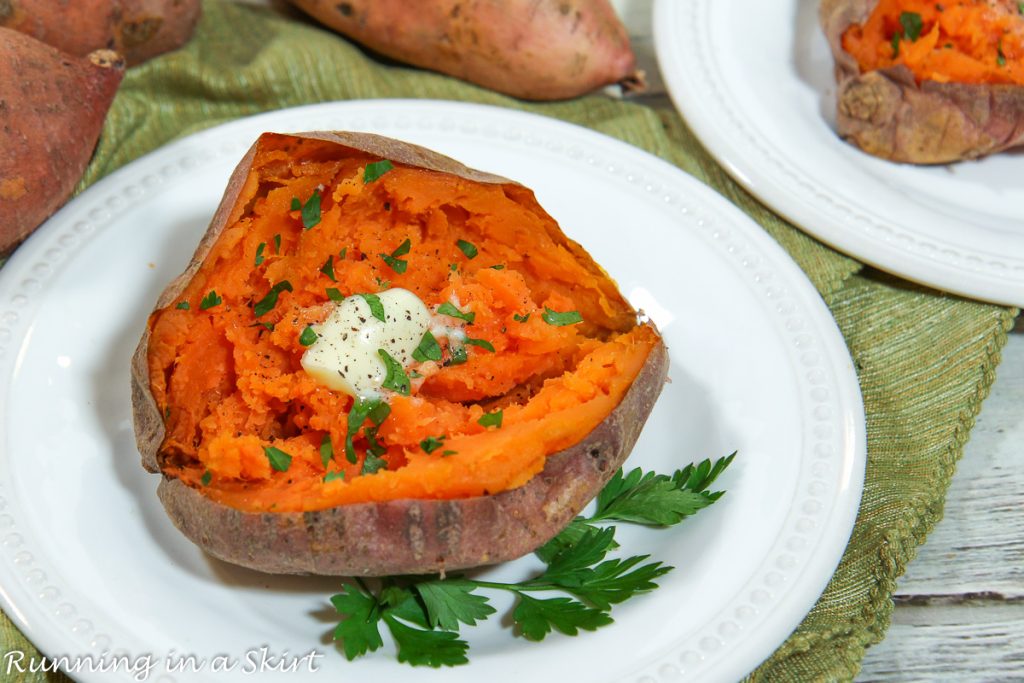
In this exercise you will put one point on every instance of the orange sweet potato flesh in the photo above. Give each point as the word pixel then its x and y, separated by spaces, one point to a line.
pixel 532 49
pixel 52 107
pixel 213 388
pixel 926 82
pixel 137 29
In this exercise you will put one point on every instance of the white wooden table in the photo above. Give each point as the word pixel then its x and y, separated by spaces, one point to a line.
pixel 960 607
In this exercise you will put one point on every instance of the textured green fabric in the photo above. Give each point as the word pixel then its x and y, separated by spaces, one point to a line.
pixel 925 360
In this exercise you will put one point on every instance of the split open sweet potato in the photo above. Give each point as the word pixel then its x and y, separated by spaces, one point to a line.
pixel 926 82
pixel 137 29
pixel 533 49
pixel 499 435
pixel 52 107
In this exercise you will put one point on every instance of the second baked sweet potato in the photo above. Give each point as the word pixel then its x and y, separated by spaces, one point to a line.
pixel 927 82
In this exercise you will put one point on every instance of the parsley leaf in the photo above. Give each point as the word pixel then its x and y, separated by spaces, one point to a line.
pixel 363 408
pixel 449 309
pixel 373 464
pixel 210 300
pixel 267 303
pixel 458 355
pixel 653 499
pixel 277 244
pixel 375 170
pixel 358 629
pixel 183 306
pixel 912 25
pixel 328 268
pixel 428 349
pixel 308 336
pixel 311 211
pixel 395 379
pixel 491 419
pixel 334 295
pixel 467 248
pixel 334 476
pixel 451 602
pixel 535 618
pixel 376 306
pixel 296 204
pixel 279 460
pixel 431 444
pixel 561 319
pixel 326 450
pixel 206 478
pixel 426 648
pixel 259 252
pixel 482 343
pixel 398 265
pixel 520 318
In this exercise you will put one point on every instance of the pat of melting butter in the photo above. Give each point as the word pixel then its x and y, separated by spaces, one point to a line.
pixel 345 357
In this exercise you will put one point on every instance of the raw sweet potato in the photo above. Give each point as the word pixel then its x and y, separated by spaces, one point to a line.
pixel 533 49
pixel 52 108
pixel 137 29
pixel 265 466
pixel 927 82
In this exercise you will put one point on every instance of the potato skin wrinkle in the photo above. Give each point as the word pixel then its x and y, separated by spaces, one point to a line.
pixel 52 107
pixel 532 49
pixel 893 114
pixel 572 396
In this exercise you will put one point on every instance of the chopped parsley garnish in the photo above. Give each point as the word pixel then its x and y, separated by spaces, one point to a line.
pixel 267 303
pixel 362 409
pixel 342 253
pixel 269 326
pixel 498 266
pixel 1000 57
pixel 376 170
pixel 296 204
pixel 277 244
pixel 425 614
pixel 467 248
pixel 428 349
pixel 482 343
pixel 210 300
pixel 206 478
pixel 183 306
pixel 311 211
pixel 912 25
pixel 457 356
pixel 431 444
pixel 308 336
pixel 328 268
pixel 326 450
pixel 279 460
pixel 373 464
pixel 395 379
pixel 383 284
pixel 1020 7
pixel 334 295
pixel 561 319
pixel 398 265
pixel 521 318
pixel 454 267
pixel 333 476
pixel 491 419
pixel 449 309
pixel 445 454
pixel 259 253
pixel 376 306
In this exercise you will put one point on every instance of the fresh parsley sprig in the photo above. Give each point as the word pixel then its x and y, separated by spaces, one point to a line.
pixel 424 614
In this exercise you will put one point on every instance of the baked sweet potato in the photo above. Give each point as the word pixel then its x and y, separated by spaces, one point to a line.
pixel 137 29
pixel 532 49
pixel 504 427
pixel 927 82
pixel 52 108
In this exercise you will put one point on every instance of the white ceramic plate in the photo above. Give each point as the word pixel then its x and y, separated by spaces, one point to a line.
pixel 754 80
pixel 90 563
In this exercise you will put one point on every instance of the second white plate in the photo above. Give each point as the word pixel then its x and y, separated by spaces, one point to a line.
pixel 754 81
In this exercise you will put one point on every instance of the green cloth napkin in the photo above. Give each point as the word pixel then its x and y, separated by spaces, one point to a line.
pixel 926 361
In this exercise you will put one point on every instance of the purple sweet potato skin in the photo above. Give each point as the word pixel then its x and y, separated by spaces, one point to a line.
pixel 532 49
pixel 52 108
pixel 137 29
pixel 887 114
pixel 401 536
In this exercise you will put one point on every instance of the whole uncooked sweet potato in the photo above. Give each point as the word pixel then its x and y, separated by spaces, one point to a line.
pixel 52 107
pixel 137 29
pixel 533 49
pixel 492 447
pixel 926 82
